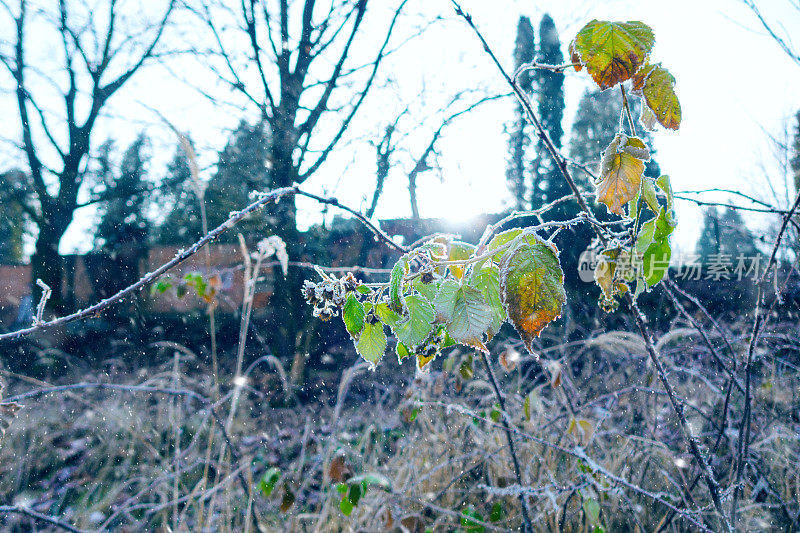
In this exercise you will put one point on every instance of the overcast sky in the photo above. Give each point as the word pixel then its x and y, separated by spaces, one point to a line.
pixel 735 85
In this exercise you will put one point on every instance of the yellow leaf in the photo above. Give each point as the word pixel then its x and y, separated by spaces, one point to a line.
pixel 620 181
pixel 659 94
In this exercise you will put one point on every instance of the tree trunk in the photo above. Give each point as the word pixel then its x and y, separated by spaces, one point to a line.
pixel 47 264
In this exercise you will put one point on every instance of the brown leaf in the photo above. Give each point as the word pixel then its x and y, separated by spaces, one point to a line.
pixel 509 358
pixel 339 471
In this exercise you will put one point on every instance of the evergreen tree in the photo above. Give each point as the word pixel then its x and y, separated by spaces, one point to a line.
pixel 725 233
pixel 123 223
pixel 13 220
pixel 242 167
pixel 548 184
pixel 178 197
pixel 519 139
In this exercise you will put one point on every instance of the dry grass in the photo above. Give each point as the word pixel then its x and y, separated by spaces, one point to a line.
pixel 129 460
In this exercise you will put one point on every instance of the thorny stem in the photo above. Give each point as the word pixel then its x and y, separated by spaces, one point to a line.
pixel 526 519
pixel 262 200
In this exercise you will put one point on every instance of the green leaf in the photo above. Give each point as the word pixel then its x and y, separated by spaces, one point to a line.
pixel 355 492
pixel 371 344
pixel 363 289
pixel 613 51
pixel 659 94
pixel 386 315
pixel 526 407
pixel 646 234
pixel 341 488
pixel 468 517
pixel 664 184
pixel 487 280
pixel 467 370
pixel 502 239
pixel 268 481
pixel 353 316
pixel 592 510
pixel 445 299
pixel 649 194
pixel 396 285
pixel 413 329
pixel 655 260
pixel 346 507
pixel 402 352
pixel 465 312
pixel 428 290
pixel 161 286
pixel 497 512
pixel 532 287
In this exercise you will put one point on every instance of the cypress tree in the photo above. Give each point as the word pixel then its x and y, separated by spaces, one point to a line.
pixel 518 130
pixel 548 184
pixel 242 167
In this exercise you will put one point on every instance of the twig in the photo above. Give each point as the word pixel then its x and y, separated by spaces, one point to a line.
pixel 526 519
pixel 46 292
pixel 743 444
pixel 377 231
pixel 149 278
pixel 262 200
pixel 16 509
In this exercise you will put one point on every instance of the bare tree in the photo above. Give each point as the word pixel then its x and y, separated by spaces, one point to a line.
pixel 307 67
pixel 100 48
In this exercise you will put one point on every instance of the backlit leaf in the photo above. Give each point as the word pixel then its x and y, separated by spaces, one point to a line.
pixel 664 184
pixel 396 285
pixel 621 174
pixel 659 94
pixel 464 311
pixel 458 250
pixel 353 316
pixel 613 51
pixel 386 315
pixel 656 257
pixel 649 194
pixel 372 343
pixel 414 328
pixel 487 280
pixel 502 239
pixel 428 290
pixel 402 352
pixel 647 118
pixel 532 287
